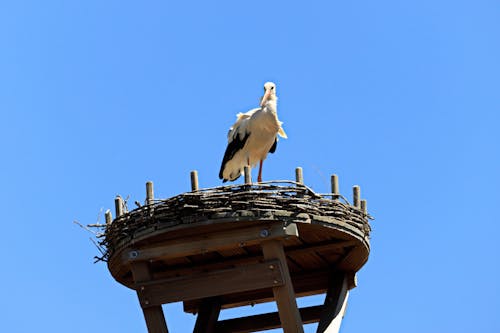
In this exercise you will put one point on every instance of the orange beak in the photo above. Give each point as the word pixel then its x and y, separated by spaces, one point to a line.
pixel 265 98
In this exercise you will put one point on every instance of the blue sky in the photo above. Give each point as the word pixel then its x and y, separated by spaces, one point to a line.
pixel 400 97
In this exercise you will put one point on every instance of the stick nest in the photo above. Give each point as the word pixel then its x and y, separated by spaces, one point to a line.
pixel 278 200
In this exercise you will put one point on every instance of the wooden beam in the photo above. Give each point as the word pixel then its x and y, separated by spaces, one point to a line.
pixel 207 316
pixel 335 302
pixel 209 284
pixel 265 321
pixel 304 284
pixel 155 319
pixel 250 259
pixel 200 244
pixel 284 295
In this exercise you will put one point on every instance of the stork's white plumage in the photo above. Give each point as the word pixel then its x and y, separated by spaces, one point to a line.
pixel 252 137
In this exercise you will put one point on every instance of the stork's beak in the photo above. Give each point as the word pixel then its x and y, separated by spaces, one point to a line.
pixel 265 98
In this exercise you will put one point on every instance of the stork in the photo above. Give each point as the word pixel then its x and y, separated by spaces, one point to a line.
pixel 252 137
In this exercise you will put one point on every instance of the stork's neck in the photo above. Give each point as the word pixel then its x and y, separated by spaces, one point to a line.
pixel 271 105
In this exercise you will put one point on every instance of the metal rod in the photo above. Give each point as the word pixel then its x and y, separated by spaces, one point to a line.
pixel 109 217
pixel 194 180
pixel 299 177
pixel 248 175
pixel 118 206
pixel 356 195
pixel 150 196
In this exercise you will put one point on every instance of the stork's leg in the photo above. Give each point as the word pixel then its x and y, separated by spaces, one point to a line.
pixel 259 178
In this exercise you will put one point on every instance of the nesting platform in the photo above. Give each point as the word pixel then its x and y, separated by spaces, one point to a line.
pixel 239 245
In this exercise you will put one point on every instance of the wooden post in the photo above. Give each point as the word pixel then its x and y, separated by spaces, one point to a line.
pixel 335 186
pixel 194 180
pixel 284 295
pixel 363 207
pixel 299 177
pixel 118 206
pixel 155 320
pixel 208 314
pixel 335 303
pixel 109 217
pixel 150 196
pixel 356 196
pixel 248 175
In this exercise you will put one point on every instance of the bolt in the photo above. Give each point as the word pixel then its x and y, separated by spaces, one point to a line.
pixel 271 266
pixel 275 281
pixel 133 254
pixel 146 302
pixel 264 233
pixel 142 288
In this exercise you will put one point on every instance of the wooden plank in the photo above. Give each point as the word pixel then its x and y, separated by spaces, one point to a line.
pixel 336 247
pixel 265 321
pixel 155 319
pixel 335 302
pixel 209 284
pixel 304 284
pixel 199 244
pixel 284 294
pixel 207 315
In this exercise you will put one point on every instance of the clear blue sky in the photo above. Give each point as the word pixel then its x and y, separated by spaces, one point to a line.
pixel 400 97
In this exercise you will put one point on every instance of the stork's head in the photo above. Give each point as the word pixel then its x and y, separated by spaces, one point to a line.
pixel 269 93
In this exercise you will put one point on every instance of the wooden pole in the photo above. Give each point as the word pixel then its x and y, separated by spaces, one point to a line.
pixel 194 180
pixel 284 295
pixel 335 303
pixel 109 217
pixel 363 207
pixel 248 175
pixel 118 206
pixel 208 314
pixel 356 196
pixel 150 196
pixel 335 186
pixel 155 319
pixel 299 177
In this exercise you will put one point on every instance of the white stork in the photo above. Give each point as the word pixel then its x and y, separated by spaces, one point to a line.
pixel 253 135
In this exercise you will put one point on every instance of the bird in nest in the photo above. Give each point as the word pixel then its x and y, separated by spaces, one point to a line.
pixel 252 137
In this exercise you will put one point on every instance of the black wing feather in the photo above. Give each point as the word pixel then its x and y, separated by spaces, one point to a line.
pixel 232 148
pixel 273 147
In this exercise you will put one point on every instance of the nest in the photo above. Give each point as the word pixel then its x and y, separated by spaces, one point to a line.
pixel 279 200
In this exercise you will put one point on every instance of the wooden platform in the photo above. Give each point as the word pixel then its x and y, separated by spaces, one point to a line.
pixel 238 245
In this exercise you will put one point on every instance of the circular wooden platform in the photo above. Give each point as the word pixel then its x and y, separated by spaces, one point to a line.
pixel 210 230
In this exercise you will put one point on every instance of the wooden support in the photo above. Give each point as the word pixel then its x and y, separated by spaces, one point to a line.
pixel 356 196
pixel 304 284
pixel 118 206
pixel 335 186
pixel 284 295
pixel 243 278
pixel 194 180
pixel 266 321
pixel 299 177
pixel 155 320
pixel 109 217
pixel 207 316
pixel 199 244
pixel 335 302
pixel 363 207
pixel 247 171
pixel 150 196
